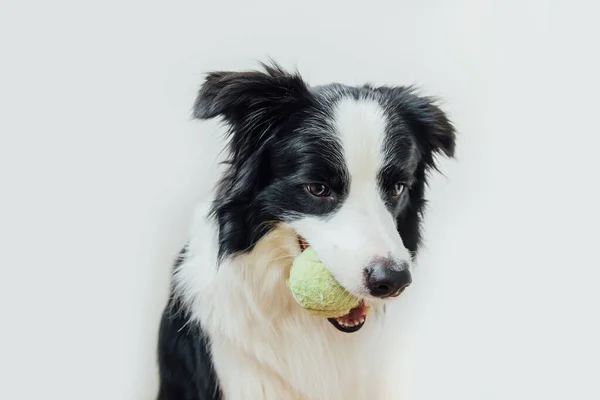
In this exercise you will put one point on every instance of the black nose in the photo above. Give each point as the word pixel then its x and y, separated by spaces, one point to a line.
pixel 387 278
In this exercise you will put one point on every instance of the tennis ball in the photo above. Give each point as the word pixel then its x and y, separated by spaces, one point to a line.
pixel 316 290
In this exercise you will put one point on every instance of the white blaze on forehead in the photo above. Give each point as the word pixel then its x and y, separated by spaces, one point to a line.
pixel 362 229
pixel 361 125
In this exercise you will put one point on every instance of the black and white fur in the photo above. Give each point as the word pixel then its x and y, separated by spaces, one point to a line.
pixel 231 329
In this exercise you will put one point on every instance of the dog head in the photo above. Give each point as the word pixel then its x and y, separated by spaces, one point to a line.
pixel 346 167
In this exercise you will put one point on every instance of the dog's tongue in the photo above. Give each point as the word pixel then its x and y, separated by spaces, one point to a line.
pixel 356 313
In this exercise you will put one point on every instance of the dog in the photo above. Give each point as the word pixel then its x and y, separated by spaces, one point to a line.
pixel 341 169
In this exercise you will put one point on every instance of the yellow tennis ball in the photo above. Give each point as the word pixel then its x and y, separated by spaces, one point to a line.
pixel 316 290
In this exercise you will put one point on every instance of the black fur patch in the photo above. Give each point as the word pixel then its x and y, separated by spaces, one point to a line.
pixel 280 138
pixel 433 133
pixel 185 364
pixel 276 147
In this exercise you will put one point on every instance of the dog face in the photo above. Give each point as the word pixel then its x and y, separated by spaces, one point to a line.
pixel 344 166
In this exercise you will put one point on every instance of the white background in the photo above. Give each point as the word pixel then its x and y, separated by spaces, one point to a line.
pixel 101 166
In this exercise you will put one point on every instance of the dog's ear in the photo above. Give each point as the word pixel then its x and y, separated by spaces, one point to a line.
pixel 430 122
pixel 255 106
pixel 253 103
pixel 435 134
pixel 434 131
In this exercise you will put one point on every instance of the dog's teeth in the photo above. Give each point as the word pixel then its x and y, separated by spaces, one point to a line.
pixel 352 323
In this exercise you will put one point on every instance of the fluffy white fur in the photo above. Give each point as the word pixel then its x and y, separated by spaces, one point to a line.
pixel 264 345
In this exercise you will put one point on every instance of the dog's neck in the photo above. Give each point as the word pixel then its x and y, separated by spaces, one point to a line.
pixel 254 323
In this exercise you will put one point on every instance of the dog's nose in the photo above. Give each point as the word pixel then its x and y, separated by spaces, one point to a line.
pixel 387 278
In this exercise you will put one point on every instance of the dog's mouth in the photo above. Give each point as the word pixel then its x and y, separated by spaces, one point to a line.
pixel 355 319
pixel 302 243
pixel 352 321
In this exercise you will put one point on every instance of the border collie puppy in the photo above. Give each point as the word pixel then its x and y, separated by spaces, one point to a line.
pixel 342 169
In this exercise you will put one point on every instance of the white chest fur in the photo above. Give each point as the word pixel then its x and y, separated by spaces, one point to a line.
pixel 264 345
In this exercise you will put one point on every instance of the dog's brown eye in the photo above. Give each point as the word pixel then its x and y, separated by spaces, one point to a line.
pixel 398 189
pixel 318 190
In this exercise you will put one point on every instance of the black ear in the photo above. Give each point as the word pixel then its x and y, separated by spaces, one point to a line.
pixel 228 93
pixel 252 103
pixel 256 106
pixel 434 125
pixel 435 133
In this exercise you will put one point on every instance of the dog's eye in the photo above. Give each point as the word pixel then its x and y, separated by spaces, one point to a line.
pixel 398 189
pixel 318 190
